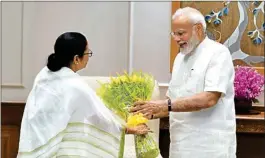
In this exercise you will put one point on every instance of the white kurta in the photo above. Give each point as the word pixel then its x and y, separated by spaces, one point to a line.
pixel 208 133
pixel 64 117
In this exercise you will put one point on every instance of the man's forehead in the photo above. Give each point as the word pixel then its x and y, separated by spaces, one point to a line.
pixel 181 22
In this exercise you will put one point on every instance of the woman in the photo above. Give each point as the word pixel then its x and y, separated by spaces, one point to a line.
pixel 63 115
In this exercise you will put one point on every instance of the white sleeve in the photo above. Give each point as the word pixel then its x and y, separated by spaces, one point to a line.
pixel 220 72
pixel 92 110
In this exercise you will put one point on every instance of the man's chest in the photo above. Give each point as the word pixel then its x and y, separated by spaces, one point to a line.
pixel 189 75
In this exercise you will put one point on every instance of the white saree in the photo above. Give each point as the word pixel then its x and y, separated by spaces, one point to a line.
pixel 64 117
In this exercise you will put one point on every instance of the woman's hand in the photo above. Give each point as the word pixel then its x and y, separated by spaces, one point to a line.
pixel 139 130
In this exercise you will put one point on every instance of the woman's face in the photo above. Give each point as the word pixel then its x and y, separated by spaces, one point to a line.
pixel 81 62
pixel 85 58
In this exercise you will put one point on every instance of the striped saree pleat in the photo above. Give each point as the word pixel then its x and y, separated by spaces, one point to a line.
pixel 80 140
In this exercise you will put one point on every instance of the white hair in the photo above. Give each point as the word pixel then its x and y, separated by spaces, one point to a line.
pixel 192 14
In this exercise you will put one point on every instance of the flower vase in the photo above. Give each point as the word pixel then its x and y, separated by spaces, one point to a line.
pixel 242 106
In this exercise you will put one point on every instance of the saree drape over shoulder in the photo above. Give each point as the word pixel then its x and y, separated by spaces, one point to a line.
pixel 64 117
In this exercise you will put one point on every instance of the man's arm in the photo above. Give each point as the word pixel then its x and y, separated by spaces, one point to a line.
pixel 161 114
pixel 193 103
pixel 159 108
pixel 196 102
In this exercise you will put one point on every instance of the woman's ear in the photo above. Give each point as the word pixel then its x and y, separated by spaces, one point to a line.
pixel 76 60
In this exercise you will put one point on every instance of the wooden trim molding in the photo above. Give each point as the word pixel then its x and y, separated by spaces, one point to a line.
pixel 9 85
pixel 260 70
pixel 245 123
pixel 11 113
pixel 174 48
pixel 250 126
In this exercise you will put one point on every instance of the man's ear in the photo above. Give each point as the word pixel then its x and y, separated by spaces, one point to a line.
pixel 199 27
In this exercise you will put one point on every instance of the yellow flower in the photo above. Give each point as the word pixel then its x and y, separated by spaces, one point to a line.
pixel 112 80
pixel 123 78
pixel 134 78
pixel 134 120
pixel 115 80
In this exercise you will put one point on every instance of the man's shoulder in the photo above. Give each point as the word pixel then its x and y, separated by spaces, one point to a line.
pixel 216 46
pixel 178 57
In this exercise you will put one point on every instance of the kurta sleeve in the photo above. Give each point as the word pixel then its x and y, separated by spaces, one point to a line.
pixel 220 72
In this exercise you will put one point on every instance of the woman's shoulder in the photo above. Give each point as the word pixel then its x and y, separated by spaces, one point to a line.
pixel 77 84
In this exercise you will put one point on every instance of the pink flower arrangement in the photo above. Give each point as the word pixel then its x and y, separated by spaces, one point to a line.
pixel 248 83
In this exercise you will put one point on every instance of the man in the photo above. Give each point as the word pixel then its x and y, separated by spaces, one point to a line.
pixel 200 100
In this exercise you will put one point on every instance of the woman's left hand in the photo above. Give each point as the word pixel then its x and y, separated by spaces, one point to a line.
pixel 139 130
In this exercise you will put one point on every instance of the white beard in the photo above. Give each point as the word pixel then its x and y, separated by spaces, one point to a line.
pixel 191 44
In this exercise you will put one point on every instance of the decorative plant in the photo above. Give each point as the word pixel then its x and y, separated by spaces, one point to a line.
pixel 256 34
pixel 215 17
pixel 248 83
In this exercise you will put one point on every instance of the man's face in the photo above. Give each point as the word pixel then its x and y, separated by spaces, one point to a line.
pixel 184 34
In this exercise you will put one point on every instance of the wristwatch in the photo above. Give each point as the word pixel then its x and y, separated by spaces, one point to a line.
pixel 169 104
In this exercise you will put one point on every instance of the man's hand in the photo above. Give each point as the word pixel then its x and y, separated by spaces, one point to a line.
pixel 139 130
pixel 149 108
pixel 159 108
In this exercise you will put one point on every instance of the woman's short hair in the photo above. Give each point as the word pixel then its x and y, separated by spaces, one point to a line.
pixel 66 47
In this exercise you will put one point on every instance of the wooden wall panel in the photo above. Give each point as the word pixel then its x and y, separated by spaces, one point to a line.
pixel 9 141
pixel 11 116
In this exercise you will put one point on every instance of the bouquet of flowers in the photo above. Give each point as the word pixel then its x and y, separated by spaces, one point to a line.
pixel 119 95
pixel 248 83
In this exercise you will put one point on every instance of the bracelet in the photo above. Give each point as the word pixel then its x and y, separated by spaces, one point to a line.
pixel 169 104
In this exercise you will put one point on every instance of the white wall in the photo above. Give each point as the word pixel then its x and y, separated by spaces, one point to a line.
pixel 122 35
